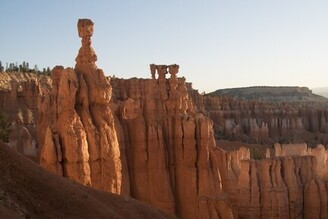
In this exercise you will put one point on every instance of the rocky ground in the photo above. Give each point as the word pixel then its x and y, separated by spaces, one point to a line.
pixel 29 191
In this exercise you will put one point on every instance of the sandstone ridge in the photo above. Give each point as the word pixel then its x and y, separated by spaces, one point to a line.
pixel 271 93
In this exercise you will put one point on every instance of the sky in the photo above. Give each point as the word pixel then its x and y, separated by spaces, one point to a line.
pixel 217 43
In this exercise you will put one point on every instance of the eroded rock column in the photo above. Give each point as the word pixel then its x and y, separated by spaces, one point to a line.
pixel 84 124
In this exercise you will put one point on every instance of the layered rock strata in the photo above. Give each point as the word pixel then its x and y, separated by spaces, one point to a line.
pixel 278 187
pixel 267 123
pixel 169 146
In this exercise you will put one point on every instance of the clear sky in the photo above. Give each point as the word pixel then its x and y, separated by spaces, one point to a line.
pixel 217 43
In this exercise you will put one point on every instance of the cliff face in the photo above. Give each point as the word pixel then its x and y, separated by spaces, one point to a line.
pixel 319 152
pixel 169 146
pixel 147 138
pixel 278 187
pixel 19 94
pixel 77 128
pixel 271 94
pixel 267 123
pixel 147 141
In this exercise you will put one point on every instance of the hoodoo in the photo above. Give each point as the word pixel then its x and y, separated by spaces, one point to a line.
pixel 146 138
pixel 80 140
pixel 148 141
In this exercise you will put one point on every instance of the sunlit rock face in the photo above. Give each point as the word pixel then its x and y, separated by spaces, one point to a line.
pixel 151 139
pixel 144 140
pixel 290 184
pixel 79 133
pixel 169 146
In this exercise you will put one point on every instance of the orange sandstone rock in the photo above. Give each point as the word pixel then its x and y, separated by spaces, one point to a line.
pixel 82 121
pixel 147 141
pixel 266 123
pixel 279 187
pixel 170 149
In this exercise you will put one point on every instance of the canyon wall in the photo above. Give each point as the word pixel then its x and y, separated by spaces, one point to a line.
pixel 278 187
pixel 319 152
pixel 144 140
pixel 19 94
pixel 267 123
pixel 169 146
pixel 151 139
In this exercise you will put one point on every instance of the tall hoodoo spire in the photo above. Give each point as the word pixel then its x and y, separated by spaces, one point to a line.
pixel 86 52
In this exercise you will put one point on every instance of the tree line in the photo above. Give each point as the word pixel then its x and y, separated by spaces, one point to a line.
pixel 23 67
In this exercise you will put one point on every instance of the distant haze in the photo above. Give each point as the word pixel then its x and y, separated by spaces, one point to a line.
pixel 276 94
pixel 322 91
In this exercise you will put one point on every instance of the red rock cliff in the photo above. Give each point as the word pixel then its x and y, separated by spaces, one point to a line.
pixel 146 138
pixel 267 123
pixel 19 92
pixel 278 187
pixel 169 147
pixel 78 129
pixel 147 141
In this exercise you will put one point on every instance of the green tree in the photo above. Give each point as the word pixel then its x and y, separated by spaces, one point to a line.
pixel 1 67
pixel 48 72
pixel 21 69
pixel 25 67
pixel 12 67
pixel 3 127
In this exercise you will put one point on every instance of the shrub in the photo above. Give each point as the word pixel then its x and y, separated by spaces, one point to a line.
pixel 256 154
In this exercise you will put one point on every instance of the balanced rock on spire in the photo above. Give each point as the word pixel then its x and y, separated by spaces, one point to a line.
pixel 81 141
pixel 86 52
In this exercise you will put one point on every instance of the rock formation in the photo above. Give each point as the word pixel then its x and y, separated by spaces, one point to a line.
pixel 19 94
pixel 267 123
pixel 151 139
pixel 271 94
pixel 146 141
pixel 286 186
pixel 169 146
pixel 80 140
pixel 319 152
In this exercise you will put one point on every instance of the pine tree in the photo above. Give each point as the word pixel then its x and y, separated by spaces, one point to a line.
pixel 1 67
pixel 48 72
